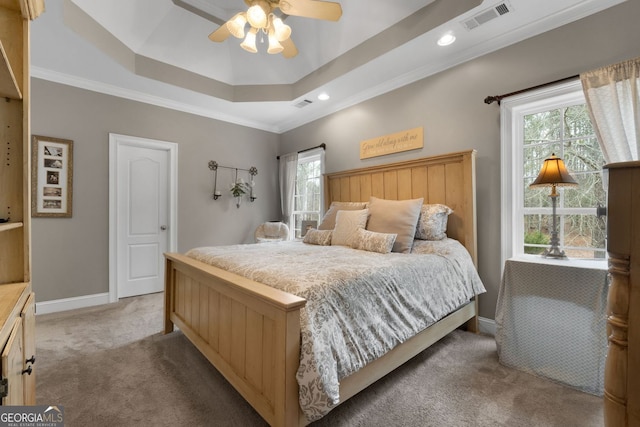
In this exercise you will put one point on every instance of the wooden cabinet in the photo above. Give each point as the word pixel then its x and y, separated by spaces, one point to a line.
pixel 17 386
pixel 622 371
pixel 17 321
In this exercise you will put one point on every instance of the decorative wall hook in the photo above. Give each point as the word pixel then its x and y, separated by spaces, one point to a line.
pixel 213 165
pixel 253 171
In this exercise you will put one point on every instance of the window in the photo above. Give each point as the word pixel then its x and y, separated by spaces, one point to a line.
pixel 307 202
pixel 535 125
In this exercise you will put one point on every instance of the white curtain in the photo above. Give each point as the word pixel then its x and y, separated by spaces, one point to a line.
pixel 287 169
pixel 613 99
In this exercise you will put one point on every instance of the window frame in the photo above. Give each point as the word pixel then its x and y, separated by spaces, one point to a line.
pixel 512 113
pixel 307 157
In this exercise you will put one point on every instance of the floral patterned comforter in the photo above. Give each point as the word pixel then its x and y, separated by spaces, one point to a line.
pixel 359 305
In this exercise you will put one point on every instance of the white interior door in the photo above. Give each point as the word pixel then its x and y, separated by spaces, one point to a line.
pixel 142 215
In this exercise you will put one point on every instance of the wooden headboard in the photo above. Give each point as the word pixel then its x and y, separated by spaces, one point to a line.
pixel 449 179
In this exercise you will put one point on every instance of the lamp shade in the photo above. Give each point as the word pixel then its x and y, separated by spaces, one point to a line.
pixel 274 44
pixel 282 30
pixel 249 43
pixel 236 25
pixel 553 173
pixel 257 15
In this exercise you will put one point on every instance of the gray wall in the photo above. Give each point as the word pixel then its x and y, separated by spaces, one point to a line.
pixel 70 255
pixel 450 107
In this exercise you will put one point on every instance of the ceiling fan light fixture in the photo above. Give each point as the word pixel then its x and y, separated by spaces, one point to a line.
pixel 249 43
pixel 274 44
pixel 236 25
pixel 258 13
pixel 282 30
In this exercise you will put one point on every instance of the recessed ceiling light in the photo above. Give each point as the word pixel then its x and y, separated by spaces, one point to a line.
pixel 323 96
pixel 446 39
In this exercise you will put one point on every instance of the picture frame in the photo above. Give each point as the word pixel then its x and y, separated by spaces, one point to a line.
pixel 306 226
pixel 51 177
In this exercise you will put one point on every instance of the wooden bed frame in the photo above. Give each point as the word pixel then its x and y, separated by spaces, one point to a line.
pixel 251 332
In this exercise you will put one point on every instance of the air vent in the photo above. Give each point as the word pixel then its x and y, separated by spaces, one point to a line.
pixel 303 103
pixel 487 15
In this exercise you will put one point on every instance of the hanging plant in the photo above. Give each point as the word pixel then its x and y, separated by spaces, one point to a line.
pixel 239 189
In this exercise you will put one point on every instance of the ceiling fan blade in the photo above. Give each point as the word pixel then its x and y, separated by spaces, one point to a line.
pixel 326 10
pixel 290 49
pixel 221 34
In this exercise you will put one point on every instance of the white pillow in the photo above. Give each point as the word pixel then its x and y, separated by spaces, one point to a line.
pixel 347 225
pixel 329 219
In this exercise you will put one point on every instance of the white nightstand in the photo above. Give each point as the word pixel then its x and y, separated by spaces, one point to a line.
pixel 551 319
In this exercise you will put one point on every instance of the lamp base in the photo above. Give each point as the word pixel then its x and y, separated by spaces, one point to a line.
pixel 554 252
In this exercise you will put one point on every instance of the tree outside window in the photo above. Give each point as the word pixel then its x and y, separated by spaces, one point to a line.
pixel 307 204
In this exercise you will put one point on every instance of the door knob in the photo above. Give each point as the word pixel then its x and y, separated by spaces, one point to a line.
pixel 163 227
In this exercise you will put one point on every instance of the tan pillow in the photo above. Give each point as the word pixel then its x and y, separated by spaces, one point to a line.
pixel 396 217
pixel 432 222
pixel 318 237
pixel 374 242
pixel 329 219
pixel 347 225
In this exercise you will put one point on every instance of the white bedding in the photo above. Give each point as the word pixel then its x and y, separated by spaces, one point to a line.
pixel 359 305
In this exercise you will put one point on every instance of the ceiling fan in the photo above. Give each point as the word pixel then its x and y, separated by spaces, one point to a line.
pixel 261 19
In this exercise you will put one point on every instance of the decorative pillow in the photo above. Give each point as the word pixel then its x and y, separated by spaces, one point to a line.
pixel 432 223
pixel 318 237
pixel 374 242
pixel 329 219
pixel 396 217
pixel 347 225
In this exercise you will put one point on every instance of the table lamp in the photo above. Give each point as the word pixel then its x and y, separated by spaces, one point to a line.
pixel 554 173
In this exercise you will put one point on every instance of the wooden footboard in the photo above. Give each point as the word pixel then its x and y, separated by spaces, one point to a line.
pixel 251 333
pixel 248 331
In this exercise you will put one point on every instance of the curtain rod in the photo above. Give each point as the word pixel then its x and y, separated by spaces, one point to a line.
pixel 490 99
pixel 323 146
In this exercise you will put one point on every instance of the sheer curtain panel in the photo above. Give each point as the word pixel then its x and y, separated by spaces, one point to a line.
pixel 613 99
pixel 287 172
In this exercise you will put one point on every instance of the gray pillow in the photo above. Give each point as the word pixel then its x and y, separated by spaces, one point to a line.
pixel 395 217
pixel 432 222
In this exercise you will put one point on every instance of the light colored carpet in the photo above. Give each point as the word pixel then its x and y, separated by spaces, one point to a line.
pixel 111 366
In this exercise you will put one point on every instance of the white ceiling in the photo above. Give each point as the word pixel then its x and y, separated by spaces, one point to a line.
pixel 157 51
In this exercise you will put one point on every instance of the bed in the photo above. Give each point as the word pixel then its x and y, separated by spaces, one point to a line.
pixel 251 332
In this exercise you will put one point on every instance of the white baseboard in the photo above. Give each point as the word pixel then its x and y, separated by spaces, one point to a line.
pixel 46 307
pixel 487 326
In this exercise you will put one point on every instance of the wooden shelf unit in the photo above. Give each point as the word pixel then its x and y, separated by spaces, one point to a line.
pixel 17 301
pixel 8 84
pixel 622 369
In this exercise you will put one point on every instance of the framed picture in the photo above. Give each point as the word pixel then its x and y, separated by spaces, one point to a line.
pixel 306 226
pixel 51 177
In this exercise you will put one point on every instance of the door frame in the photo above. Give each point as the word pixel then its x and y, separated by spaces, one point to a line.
pixel 115 142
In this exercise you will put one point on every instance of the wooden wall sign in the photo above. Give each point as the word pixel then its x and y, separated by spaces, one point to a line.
pixel 393 143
